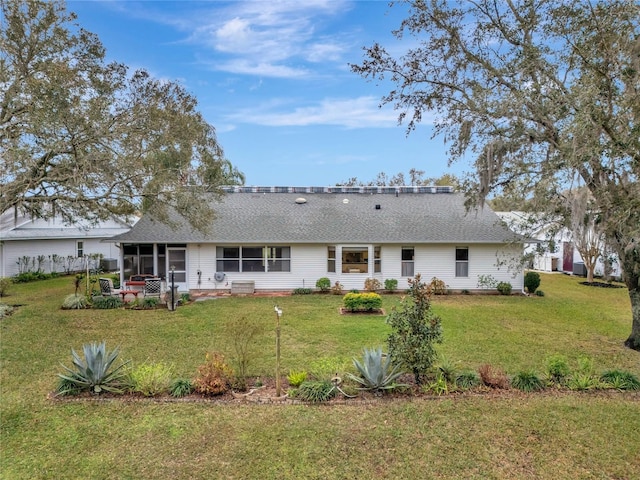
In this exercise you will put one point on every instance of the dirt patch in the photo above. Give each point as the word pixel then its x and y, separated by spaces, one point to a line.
pixel 601 285
pixel 346 311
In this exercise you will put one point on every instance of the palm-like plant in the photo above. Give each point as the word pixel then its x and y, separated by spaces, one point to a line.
pixel 376 371
pixel 94 373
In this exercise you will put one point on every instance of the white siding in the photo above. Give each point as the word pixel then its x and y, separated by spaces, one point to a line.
pixel 309 263
pixel 16 249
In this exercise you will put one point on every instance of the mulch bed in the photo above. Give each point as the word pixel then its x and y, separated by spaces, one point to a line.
pixel 266 395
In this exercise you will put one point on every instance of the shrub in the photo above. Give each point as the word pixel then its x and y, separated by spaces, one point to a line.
pixel 323 284
pixel 557 369
pixel 180 387
pixel 527 381
pixel 5 310
pixel 151 379
pixel 115 278
pixel 150 303
pixel 185 297
pixel 415 330
pixel 493 377
pixel 504 288
pixel 295 379
pixel 94 373
pixel 391 284
pixel 302 291
pixel 467 380
pixel 376 371
pixel 362 302
pixel 337 288
pixel 215 377
pixel 27 277
pixel 539 293
pixel 438 287
pixel 372 285
pixel 531 282
pixel 620 380
pixel 5 283
pixel 105 303
pixel 75 301
pixel 316 391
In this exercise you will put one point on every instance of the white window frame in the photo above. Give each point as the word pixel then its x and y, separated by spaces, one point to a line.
pixel 462 265
pixel 267 260
pixel 407 267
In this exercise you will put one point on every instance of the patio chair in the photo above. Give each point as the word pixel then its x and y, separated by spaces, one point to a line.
pixel 152 287
pixel 106 288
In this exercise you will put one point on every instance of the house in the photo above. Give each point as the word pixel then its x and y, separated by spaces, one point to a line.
pixel 554 251
pixel 35 244
pixel 283 238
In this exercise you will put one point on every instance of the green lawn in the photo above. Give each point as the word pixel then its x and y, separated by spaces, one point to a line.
pixel 548 435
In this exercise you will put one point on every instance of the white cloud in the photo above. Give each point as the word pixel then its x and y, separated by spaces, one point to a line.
pixel 265 38
pixel 362 112
pixel 262 69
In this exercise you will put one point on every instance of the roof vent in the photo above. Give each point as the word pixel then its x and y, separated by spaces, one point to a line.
pixel 377 206
pixel 345 201
pixel 301 200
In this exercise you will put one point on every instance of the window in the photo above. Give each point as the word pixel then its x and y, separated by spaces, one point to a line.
pixel 462 262
pixel 228 259
pixel 253 259
pixel 355 260
pixel 79 249
pixel 377 261
pixel 407 261
pixel 331 259
pixel 278 259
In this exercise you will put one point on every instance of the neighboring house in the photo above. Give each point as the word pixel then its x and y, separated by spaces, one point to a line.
pixel 28 244
pixel 558 253
pixel 282 238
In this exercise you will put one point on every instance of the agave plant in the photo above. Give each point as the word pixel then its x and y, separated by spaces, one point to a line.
pixel 376 371
pixel 94 373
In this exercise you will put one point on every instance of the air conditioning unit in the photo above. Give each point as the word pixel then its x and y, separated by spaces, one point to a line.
pixel 579 269
pixel 109 264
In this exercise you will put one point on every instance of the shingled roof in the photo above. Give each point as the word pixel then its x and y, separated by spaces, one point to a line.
pixel 329 215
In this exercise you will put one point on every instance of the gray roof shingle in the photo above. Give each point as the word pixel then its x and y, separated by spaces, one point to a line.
pixel 276 218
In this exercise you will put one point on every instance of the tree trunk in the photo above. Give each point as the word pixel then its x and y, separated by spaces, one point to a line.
pixel 629 258
pixel 590 272
pixel 634 339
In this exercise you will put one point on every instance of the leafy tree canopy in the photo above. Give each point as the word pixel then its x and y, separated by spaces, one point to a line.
pixel 415 177
pixel 82 138
pixel 544 94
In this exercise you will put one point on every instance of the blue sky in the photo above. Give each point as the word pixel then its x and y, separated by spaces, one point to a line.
pixel 273 78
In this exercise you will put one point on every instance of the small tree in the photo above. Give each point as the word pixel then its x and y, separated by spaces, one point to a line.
pixel 243 334
pixel 415 330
